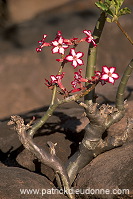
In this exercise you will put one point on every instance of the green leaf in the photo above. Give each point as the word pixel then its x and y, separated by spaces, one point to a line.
pixel 124 11
pixel 119 2
pixel 108 2
pixel 112 9
pixel 101 5
pixel 110 13
pixel 117 6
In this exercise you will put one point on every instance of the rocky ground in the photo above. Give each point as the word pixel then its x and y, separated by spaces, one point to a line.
pixel 22 70
pixel 21 170
pixel 22 73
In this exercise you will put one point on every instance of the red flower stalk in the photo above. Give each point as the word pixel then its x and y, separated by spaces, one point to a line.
pixel 42 44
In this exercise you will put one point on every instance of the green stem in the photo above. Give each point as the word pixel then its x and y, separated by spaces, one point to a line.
pixel 55 87
pixel 42 121
pixel 92 54
pixel 51 109
pixel 122 86
pixel 124 32
pixel 53 95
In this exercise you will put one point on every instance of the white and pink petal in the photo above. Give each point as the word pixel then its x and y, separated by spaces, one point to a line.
pixel 80 61
pixel 104 77
pixel 61 51
pixel 74 63
pixel 112 69
pixel 73 53
pixel 115 75
pixel 55 43
pixel 53 78
pixel 69 58
pixel 64 45
pixel 87 32
pixel 79 54
pixel 60 41
pixel 55 50
pixel 105 69
pixel 111 80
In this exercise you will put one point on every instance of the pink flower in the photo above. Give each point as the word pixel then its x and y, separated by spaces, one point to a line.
pixel 42 43
pixel 57 80
pixel 78 79
pixel 75 58
pixel 98 74
pixel 89 37
pixel 38 49
pixel 108 74
pixel 59 45
pixel 58 35
pixel 66 41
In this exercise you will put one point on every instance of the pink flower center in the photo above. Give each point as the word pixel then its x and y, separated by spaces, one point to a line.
pixel 109 74
pixel 75 57
pixel 59 45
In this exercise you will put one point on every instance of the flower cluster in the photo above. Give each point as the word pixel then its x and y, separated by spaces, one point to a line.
pixel 107 75
pixel 60 45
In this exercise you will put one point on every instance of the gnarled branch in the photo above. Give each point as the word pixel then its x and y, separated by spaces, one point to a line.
pixel 48 158
pixel 93 144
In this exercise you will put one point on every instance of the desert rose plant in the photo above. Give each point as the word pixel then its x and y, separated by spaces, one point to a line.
pixel 100 117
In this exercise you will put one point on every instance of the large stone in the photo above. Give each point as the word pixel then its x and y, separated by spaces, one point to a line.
pixel 110 171
pixel 16 181
pixel 10 146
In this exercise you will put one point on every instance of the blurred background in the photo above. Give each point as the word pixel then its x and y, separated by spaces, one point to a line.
pixel 23 71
